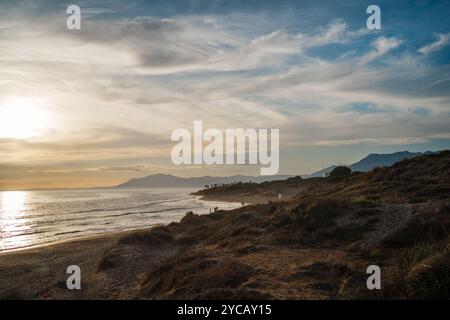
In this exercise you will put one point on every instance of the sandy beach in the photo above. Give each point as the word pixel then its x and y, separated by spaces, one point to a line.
pixel 27 273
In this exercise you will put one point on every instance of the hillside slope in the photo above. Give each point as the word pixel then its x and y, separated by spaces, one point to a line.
pixel 317 244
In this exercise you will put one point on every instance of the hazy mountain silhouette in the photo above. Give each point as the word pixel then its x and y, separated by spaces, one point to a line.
pixel 374 160
pixel 170 181
pixel 382 160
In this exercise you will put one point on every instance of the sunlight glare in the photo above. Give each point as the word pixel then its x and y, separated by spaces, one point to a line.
pixel 12 224
pixel 21 119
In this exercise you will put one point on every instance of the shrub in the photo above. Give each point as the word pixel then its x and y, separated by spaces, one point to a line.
pixel 340 171
pixel 419 272
pixel 318 213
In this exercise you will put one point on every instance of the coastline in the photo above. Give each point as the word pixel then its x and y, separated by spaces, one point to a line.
pixel 256 196
pixel 110 236
pixel 239 245
pixel 316 245
pixel 54 257
pixel 114 266
pixel 119 265
pixel 216 202
pixel 106 237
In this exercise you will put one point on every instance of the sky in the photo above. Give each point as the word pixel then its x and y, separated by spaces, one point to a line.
pixel 97 106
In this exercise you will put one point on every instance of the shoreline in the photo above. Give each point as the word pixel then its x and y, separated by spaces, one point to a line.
pixel 94 237
pixel 248 198
pixel 45 265
pixel 255 199
pixel 114 234
pixel 116 266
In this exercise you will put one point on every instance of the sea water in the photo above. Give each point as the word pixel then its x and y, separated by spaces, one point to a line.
pixel 30 218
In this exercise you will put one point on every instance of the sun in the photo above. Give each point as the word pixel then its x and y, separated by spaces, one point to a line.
pixel 21 118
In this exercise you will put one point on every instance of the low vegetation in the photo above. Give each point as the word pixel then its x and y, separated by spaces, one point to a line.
pixel 316 244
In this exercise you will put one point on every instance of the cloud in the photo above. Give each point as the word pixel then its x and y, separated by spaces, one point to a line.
pixel 336 32
pixel 141 167
pixel 118 88
pixel 380 46
pixel 272 50
pixel 442 41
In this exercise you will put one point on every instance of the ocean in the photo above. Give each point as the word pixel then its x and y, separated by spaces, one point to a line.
pixel 30 218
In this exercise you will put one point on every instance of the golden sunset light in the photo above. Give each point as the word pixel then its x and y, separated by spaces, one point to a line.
pixel 20 118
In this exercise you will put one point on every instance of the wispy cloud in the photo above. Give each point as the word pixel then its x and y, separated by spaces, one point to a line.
pixel 442 41
pixel 117 88
pixel 380 46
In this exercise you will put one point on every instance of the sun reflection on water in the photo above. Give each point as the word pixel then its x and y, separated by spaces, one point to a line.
pixel 12 221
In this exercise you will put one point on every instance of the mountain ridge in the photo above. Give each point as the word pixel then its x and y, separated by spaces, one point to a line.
pixel 162 180
pixel 170 181
pixel 373 160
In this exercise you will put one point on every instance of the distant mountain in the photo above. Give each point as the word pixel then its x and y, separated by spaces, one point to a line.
pixel 373 160
pixel 382 160
pixel 170 181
